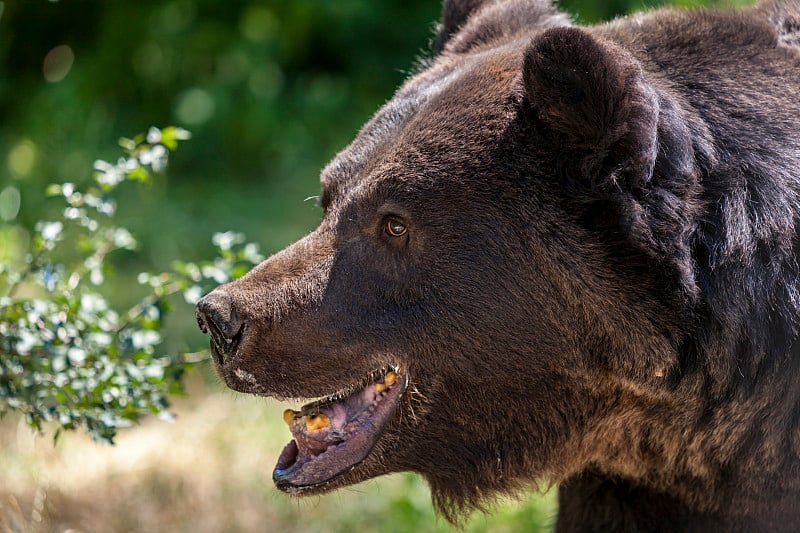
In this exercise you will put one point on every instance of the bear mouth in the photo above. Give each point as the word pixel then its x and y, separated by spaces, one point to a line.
pixel 333 435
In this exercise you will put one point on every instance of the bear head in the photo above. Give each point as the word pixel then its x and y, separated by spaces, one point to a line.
pixel 504 252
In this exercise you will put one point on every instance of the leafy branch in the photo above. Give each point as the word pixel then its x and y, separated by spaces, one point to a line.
pixel 67 358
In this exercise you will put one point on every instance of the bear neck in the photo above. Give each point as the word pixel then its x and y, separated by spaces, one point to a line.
pixel 721 432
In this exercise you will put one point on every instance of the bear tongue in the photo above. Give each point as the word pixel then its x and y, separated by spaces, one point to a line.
pixel 314 432
pixel 315 428
pixel 330 438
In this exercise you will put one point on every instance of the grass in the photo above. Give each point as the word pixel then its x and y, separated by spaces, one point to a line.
pixel 209 471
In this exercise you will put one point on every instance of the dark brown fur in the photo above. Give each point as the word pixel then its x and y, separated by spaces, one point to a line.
pixel 599 286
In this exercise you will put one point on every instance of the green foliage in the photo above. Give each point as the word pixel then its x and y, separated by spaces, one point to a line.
pixel 66 355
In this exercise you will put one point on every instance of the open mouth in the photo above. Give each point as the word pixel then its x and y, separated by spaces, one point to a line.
pixel 333 435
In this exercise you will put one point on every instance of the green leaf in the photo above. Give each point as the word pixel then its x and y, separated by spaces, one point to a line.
pixel 139 174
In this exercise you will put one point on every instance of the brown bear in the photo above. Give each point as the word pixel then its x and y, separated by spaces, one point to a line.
pixel 559 254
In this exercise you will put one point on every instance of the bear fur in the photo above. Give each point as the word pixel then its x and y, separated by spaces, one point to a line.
pixel 576 248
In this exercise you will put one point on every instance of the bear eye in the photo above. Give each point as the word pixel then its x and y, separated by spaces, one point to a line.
pixel 395 228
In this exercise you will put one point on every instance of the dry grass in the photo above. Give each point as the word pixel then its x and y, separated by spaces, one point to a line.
pixel 210 471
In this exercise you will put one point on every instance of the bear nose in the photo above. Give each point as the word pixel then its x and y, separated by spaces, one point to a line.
pixel 216 316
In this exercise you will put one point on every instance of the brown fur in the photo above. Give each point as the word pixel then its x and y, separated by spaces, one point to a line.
pixel 599 286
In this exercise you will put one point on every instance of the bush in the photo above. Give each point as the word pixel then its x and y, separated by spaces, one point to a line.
pixel 66 355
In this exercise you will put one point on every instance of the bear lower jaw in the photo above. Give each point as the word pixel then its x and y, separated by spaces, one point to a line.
pixel 332 436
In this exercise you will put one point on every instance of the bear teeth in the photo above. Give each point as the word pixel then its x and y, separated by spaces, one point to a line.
pixel 379 379
pixel 311 421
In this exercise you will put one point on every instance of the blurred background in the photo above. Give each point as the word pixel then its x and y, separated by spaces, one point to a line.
pixel 270 90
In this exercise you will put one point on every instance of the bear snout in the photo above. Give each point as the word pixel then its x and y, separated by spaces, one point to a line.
pixel 216 316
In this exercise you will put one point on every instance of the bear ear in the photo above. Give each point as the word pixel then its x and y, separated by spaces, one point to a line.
pixel 592 100
pixel 454 15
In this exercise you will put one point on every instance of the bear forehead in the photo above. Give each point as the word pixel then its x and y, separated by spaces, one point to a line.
pixel 445 116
